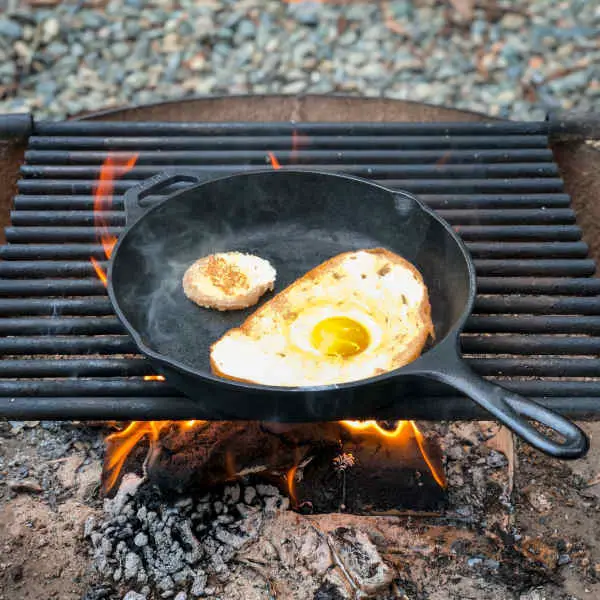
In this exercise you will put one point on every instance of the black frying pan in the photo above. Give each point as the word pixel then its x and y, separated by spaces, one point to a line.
pixel 297 219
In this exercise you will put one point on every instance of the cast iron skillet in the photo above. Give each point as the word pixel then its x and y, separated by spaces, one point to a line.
pixel 297 219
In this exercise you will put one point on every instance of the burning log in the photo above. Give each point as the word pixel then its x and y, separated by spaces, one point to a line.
pixel 360 467
pixel 372 474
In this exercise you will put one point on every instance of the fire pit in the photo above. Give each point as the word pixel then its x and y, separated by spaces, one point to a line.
pixel 348 509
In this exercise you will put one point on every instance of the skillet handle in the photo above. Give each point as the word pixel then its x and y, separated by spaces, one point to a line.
pixel 133 197
pixel 516 411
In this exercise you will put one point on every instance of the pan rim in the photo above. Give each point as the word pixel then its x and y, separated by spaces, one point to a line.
pixel 408 369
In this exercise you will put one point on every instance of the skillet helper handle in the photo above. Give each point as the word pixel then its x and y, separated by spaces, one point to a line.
pixel 134 208
pixel 516 411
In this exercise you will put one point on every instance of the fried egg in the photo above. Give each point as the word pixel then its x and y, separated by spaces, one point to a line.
pixel 356 315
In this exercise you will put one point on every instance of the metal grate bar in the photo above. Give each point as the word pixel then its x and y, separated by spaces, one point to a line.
pixel 46 344
pixel 138 387
pixel 75 367
pixel 454 216
pixel 551 233
pixel 60 326
pixel 144 142
pixel 417 186
pixel 530 344
pixel 371 129
pixel 163 158
pixel 484 305
pixel 439 201
pixel 127 408
pixel 555 324
pixel 478 250
pixel 485 285
pixel 485 267
pixel 394 170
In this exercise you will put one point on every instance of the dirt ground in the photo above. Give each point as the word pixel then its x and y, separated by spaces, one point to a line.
pixel 49 486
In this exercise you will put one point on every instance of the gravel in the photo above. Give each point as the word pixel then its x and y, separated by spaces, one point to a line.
pixel 517 62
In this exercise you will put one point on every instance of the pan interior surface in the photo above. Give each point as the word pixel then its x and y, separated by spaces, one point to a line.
pixel 294 219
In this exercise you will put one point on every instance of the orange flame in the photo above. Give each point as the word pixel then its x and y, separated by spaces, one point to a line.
pixel 153 378
pixel 274 162
pixel 99 271
pixel 114 166
pixel 439 477
pixel 291 484
pixel 120 444
pixel 373 428
pixel 376 428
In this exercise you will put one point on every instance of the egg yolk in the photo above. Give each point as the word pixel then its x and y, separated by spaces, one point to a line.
pixel 339 336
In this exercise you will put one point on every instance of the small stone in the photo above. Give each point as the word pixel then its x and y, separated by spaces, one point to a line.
pixel 140 540
pixel 512 21
pixel 306 12
pixel 131 595
pixel 534 594
pixel 563 559
pixel 142 514
pixel 229 538
pixel 199 584
pixel 540 501
pixel 271 504
pixel 574 81
pixel 231 494
pixel 455 452
pixel 10 29
pixel 294 87
pixel 136 80
pixel 51 29
pixel 25 486
pixel 128 488
pixel 496 460
pixel 120 50
pixel 88 526
pixel 218 506
pixel 132 564
pixel 473 562
pixel 181 596
pixel 246 29
pixel 184 503
pixel 17 426
pixel 267 490
pixel 165 584
pixel 106 546
pixel 249 494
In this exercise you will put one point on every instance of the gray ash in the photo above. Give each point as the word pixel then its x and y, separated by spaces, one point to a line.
pixel 150 542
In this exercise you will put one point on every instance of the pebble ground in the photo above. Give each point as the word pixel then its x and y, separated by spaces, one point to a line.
pixel 510 59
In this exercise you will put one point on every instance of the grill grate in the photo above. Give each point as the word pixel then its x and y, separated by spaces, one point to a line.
pixel 536 325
